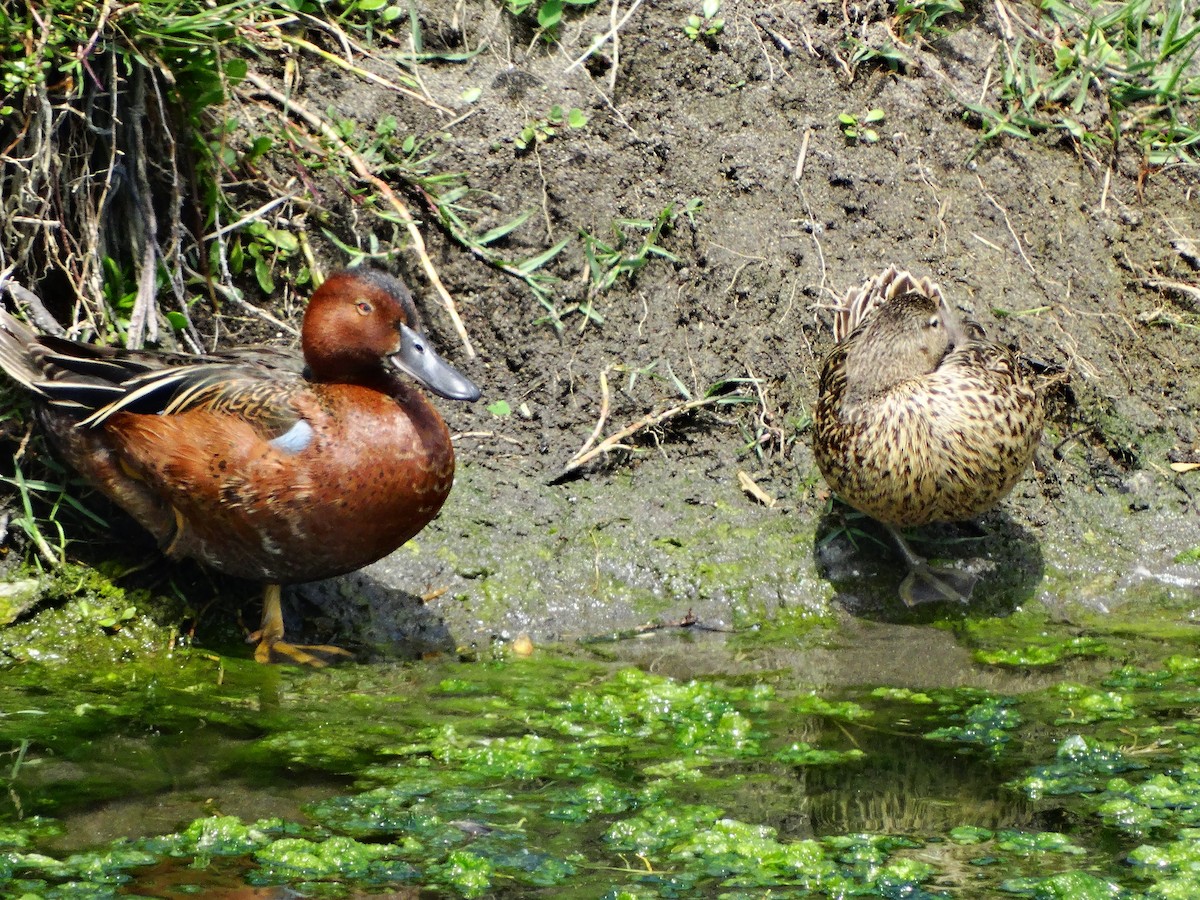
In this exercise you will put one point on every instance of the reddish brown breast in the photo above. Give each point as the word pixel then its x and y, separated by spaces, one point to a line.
pixel 374 470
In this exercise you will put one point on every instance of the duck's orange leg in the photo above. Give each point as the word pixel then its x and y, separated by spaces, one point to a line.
pixel 270 637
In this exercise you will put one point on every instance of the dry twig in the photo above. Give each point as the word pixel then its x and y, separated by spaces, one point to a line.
pixel 750 487
pixel 615 441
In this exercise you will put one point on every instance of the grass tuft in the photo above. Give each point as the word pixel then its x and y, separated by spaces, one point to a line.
pixel 1102 74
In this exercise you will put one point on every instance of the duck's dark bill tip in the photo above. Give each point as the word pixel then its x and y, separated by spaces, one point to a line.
pixel 416 358
pixel 441 378
pixel 465 390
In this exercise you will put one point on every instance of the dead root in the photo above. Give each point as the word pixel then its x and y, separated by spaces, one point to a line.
pixel 617 441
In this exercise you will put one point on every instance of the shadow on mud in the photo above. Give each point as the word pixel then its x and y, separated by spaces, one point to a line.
pixel 374 620
pixel 857 556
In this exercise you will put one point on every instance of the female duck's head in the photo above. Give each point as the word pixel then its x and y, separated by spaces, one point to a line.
pixel 905 338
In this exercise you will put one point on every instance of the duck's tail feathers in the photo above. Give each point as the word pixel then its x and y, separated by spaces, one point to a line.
pixel 861 301
pixel 16 359
pixel 62 373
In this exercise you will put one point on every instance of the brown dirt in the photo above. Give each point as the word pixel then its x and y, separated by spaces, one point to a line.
pixel 1039 242
pixel 1012 226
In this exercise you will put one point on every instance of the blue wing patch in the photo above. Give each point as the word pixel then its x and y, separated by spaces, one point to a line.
pixel 295 440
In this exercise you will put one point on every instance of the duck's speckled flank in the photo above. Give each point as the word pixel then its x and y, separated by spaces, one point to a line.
pixel 919 417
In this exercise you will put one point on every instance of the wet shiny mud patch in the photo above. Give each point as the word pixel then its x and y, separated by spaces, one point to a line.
pixel 558 777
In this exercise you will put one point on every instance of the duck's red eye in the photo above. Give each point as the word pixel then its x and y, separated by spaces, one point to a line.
pixel 364 307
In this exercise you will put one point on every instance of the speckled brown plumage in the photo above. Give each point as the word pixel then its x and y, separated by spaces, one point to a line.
pixel 919 417
pixel 261 463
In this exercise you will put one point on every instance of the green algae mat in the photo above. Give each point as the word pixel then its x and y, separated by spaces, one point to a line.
pixel 561 775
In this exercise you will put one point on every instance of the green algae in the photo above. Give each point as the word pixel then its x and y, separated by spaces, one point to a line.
pixel 1080 763
pixel 1028 640
pixel 1085 705
pixel 1065 886
pixel 815 705
pixel 615 754
pixel 507 776
pixel 294 858
pixel 86 618
pixel 1050 652
pixel 803 754
pixel 988 723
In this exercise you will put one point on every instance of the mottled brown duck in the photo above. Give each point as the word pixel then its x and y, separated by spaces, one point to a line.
pixel 920 418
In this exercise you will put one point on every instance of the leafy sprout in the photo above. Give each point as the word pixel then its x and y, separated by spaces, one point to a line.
pixel 707 24
pixel 920 17
pixel 859 129
pixel 549 12
pixel 541 130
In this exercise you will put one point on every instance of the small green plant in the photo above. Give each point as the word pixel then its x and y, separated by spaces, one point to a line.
pixel 623 254
pixel 264 245
pixel 1102 75
pixel 859 129
pixel 107 617
pixel 34 519
pixel 541 130
pixel 847 526
pixel 407 158
pixel 912 20
pixel 705 25
pixel 18 753
pixel 549 12
pixel 386 11
pixel 889 54
pixel 920 17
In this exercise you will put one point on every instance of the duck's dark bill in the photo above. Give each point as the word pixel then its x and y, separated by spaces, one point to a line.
pixel 416 358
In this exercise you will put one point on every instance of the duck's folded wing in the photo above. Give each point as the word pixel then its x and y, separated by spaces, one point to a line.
pixel 253 384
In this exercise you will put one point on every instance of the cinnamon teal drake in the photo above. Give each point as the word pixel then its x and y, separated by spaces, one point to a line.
pixel 920 418
pixel 262 463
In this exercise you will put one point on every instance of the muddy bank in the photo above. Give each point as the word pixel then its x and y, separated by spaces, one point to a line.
pixel 771 211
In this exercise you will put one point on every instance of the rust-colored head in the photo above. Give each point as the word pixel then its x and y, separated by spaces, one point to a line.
pixel 361 321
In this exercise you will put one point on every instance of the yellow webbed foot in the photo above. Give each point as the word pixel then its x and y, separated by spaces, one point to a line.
pixel 271 645
pixel 300 654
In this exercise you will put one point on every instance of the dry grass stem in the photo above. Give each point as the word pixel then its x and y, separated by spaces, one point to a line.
pixel 615 441
pixel 362 73
pixel 604 38
pixel 1179 287
pixel 799 172
pixel 605 399
pixel 1008 222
